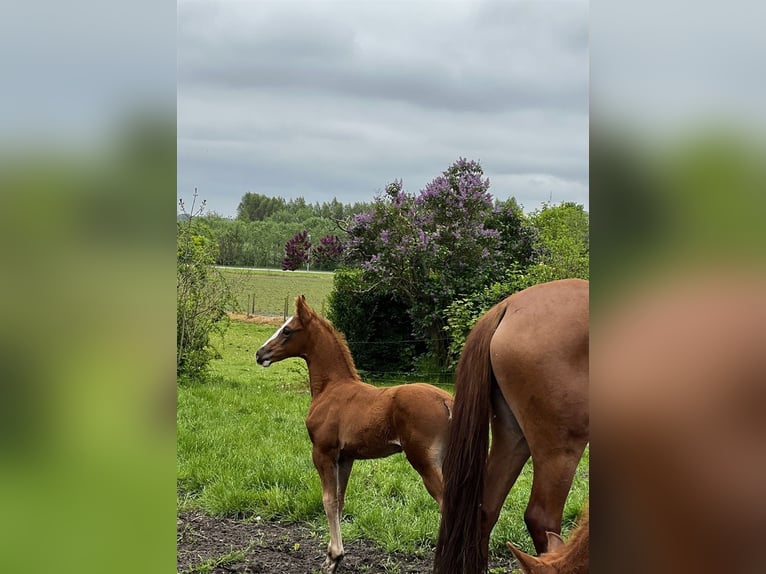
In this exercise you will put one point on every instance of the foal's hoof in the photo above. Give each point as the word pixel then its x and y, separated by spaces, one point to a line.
pixel 331 565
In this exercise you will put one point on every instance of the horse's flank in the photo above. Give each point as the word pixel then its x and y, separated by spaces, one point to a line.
pixel 524 372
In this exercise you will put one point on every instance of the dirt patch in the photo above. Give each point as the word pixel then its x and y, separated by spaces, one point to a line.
pixel 225 546
pixel 257 319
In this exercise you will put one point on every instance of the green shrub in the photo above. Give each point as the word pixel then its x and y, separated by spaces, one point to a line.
pixel 463 313
pixel 375 323
pixel 560 250
pixel 202 296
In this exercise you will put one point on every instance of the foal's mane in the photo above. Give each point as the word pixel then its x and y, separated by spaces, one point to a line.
pixel 340 339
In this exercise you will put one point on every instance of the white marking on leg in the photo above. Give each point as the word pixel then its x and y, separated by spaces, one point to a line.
pixel 335 547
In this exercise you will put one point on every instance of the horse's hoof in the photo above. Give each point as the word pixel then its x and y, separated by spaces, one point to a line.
pixel 330 566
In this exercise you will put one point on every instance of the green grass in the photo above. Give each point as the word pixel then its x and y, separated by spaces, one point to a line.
pixel 272 287
pixel 243 450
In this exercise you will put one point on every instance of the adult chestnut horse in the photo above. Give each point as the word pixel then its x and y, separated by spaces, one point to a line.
pixel 350 420
pixel 524 370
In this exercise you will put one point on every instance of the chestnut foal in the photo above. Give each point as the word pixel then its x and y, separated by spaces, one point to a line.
pixel 349 419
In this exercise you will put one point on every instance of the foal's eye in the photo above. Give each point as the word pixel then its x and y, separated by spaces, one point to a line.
pixel 286 331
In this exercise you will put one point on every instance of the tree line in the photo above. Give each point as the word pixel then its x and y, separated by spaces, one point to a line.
pixel 258 235
pixel 414 270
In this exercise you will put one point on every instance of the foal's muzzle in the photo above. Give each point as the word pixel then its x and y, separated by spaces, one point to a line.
pixel 263 357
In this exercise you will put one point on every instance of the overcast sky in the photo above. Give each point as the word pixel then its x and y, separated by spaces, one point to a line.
pixel 326 99
pixel 335 99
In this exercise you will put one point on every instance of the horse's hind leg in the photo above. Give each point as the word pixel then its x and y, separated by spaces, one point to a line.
pixel 553 475
pixel 507 455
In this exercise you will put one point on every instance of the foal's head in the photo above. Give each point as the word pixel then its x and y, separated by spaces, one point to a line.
pixel 561 558
pixel 544 563
pixel 291 339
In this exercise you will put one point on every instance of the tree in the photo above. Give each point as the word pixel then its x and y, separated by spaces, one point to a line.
pixel 517 233
pixel 432 247
pixel 257 207
pixel 231 242
pixel 562 246
pixel 296 251
pixel 328 252
pixel 555 239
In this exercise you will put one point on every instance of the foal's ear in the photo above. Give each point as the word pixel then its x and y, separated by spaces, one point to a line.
pixel 528 563
pixel 555 542
pixel 302 310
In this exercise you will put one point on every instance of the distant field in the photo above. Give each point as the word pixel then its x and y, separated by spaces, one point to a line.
pixel 272 287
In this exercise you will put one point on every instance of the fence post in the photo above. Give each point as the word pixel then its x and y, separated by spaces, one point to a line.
pixel 253 307
pixel 284 315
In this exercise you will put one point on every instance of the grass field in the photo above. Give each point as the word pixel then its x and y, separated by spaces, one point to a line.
pixel 243 450
pixel 272 287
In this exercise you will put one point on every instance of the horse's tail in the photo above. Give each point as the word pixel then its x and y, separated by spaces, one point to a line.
pixel 458 548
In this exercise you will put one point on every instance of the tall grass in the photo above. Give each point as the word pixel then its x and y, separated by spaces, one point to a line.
pixel 243 450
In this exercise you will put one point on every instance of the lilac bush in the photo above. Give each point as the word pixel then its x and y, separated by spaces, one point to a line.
pixel 296 251
pixel 328 251
pixel 451 251
pixel 431 247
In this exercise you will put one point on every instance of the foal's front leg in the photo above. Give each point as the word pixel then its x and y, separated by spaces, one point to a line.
pixel 326 463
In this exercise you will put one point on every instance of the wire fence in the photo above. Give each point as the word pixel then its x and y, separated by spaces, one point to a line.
pixel 440 376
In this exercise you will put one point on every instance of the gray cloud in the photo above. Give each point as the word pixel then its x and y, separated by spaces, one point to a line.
pixel 336 99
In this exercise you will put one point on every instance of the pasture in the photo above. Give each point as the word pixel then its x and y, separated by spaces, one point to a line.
pixel 243 451
pixel 271 287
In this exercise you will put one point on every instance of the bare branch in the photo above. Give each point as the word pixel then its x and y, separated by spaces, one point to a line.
pixel 342 224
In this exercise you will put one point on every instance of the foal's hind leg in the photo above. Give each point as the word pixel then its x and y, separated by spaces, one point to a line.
pixel 344 471
pixel 553 475
pixel 326 464
pixel 424 447
pixel 428 466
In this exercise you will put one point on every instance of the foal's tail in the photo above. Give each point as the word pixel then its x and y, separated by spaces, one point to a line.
pixel 458 549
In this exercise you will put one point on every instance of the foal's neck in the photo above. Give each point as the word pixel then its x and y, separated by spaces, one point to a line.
pixel 329 362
